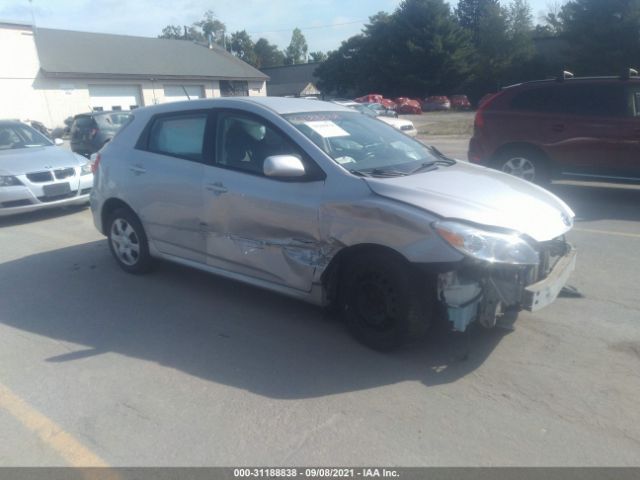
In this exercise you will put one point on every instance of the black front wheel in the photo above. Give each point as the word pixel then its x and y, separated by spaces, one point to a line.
pixel 382 304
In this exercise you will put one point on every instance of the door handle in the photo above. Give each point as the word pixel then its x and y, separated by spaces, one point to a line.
pixel 558 127
pixel 217 188
pixel 137 169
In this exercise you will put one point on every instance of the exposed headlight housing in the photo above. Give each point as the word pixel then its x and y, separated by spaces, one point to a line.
pixel 86 168
pixel 492 247
pixel 9 181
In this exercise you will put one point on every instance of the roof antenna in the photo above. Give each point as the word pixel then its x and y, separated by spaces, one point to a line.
pixel 627 74
pixel 185 92
pixel 564 75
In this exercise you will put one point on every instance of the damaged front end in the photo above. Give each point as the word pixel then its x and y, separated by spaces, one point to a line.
pixel 483 292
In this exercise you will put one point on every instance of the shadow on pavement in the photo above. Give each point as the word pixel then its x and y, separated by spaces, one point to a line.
pixel 40 215
pixel 600 202
pixel 213 328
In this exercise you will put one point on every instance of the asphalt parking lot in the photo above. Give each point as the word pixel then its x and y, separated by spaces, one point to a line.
pixel 180 368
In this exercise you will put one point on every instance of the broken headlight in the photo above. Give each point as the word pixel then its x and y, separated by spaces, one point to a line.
pixel 485 245
pixel 9 181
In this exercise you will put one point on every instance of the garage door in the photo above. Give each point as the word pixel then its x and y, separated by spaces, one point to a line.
pixel 114 97
pixel 175 93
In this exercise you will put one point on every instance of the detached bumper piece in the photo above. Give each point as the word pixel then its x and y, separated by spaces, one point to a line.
pixel 544 292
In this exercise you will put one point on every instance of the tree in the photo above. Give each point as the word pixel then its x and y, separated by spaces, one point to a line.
pixel 604 37
pixel 317 57
pixel 198 31
pixel 551 21
pixel 470 12
pixel 243 47
pixel 267 55
pixel 519 31
pixel 417 50
pixel 297 49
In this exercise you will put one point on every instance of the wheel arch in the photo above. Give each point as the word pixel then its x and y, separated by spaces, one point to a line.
pixel 330 277
pixel 110 206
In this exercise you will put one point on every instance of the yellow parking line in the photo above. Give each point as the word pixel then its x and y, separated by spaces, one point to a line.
pixel 607 232
pixel 73 452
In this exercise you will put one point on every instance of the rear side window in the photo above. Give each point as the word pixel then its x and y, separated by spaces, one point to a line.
pixel 179 135
pixel 544 99
pixel 84 122
pixel 574 99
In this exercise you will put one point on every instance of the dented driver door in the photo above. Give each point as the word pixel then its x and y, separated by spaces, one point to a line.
pixel 255 225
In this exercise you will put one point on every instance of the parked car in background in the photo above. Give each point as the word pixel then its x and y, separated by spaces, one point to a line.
pixel 405 126
pixel 319 202
pixel 580 128
pixel 91 131
pixel 35 173
pixel 381 110
pixel 377 98
pixel 436 103
pixel 460 102
pixel 408 106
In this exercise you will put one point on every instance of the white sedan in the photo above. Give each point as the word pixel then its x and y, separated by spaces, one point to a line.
pixel 405 126
pixel 35 173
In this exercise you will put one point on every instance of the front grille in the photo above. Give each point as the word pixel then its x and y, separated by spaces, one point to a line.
pixel 406 127
pixel 15 203
pixel 63 173
pixel 58 197
pixel 40 177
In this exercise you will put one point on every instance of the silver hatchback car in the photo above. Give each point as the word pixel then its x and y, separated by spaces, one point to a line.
pixel 316 201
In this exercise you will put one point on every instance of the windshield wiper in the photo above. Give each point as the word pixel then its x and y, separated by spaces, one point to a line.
pixel 358 173
pixel 379 172
pixel 424 167
pixel 443 158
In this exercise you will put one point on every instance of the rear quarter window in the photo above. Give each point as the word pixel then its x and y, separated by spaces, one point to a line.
pixel 180 136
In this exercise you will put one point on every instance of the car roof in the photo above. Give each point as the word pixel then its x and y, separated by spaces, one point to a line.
pixel 106 112
pixel 280 105
pixel 10 121
pixel 568 81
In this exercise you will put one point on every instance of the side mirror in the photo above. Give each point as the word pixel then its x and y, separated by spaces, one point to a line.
pixel 283 166
pixel 58 141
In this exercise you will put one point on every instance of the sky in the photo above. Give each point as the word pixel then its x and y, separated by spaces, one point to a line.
pixel 324 23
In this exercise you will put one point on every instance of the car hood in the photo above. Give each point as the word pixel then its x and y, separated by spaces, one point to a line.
pixel 24 160
pixel 481 196
pixel 395 122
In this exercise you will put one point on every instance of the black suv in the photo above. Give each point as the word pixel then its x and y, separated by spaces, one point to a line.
pixel 580 128
pixel 90 131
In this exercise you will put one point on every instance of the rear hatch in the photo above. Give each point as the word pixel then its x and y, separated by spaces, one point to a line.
pixel 83 130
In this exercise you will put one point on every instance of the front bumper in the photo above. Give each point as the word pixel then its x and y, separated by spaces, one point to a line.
pixel 485 293
pixel 544 292
pixel 31 196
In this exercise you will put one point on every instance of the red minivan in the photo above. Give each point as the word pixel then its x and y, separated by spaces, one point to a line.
pixel 578 128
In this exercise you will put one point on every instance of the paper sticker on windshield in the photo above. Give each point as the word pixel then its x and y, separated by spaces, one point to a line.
pixel 326 129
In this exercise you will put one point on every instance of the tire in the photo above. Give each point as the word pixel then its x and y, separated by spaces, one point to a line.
pixel 526 164
pixel 383 301
pixel 128 242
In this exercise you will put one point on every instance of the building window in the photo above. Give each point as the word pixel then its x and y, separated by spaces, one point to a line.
pixel 116 108
pixel 133 107
pixel 98 109
pixel 234 88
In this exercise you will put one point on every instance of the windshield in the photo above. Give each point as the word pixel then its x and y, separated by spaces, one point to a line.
pixel 362 144
pixel 17 135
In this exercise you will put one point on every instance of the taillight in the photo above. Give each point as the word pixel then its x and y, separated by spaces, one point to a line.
pixel 95 163
pixel 479 120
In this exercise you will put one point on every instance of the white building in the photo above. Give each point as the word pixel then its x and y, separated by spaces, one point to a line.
pixel 49 75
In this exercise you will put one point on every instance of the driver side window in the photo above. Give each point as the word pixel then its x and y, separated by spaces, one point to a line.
pixel 244 142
